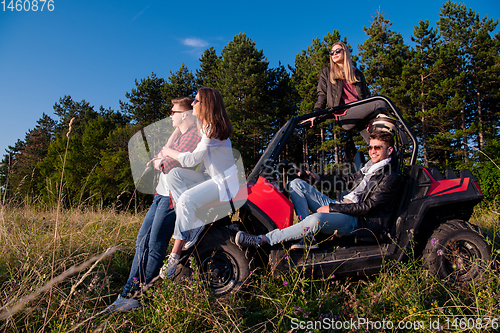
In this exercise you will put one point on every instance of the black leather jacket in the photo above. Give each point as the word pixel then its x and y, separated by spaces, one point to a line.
pixel 376 205
pixel 330 94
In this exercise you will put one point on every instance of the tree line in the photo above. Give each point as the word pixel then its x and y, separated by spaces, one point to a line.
pixel 445 82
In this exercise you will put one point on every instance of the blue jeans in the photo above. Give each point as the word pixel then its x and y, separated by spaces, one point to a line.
pixel 305 197
pixel 151 244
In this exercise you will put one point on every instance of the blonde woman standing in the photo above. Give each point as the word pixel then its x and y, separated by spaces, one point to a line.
pixel 340 83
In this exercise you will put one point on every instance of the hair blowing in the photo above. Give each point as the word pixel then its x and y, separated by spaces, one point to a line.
pixel 213 114
pixel 336 71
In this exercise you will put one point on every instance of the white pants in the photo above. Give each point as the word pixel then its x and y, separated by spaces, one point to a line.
pixel 190 190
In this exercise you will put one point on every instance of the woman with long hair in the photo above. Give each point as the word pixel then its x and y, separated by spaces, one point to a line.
pixel 215 180
pixel 342 83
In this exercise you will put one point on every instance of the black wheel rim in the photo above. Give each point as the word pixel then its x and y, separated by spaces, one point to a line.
pixel 220 271
pixel 462 260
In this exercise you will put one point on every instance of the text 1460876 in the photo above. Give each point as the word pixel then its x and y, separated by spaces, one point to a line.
pixel 28 5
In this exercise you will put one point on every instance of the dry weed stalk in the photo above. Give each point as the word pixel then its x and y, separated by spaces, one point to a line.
pixel 57 215
pixel 72 270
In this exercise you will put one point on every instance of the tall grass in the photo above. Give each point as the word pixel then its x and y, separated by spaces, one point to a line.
pixel 27 254
pixel 401 293
pixel 59 269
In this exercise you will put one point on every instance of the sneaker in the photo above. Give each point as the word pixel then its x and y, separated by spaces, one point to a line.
pixel 167 271
pixel 123 304
pixel 193 237
pixel 306 243
pixel 243 239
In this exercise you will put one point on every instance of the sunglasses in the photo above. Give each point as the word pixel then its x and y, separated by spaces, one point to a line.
pixel 377 148
pixel 336 51
pixel 196 101
pixel 172 112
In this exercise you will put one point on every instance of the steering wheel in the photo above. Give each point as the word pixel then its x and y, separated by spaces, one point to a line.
pixel 294 170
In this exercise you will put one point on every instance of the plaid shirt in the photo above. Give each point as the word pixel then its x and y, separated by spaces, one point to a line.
pixel 185 142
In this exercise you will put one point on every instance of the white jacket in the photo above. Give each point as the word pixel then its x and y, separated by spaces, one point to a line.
pixel 218 161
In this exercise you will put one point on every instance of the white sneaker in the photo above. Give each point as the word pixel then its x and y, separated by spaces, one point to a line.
pixel 167 271
pixel 193 237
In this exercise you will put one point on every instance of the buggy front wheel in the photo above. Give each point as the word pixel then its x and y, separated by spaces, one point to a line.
pixel 222 265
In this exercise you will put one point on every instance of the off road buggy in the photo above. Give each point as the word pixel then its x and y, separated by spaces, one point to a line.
pixel 430 215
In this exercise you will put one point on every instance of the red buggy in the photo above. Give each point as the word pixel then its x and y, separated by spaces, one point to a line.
pixel 432 214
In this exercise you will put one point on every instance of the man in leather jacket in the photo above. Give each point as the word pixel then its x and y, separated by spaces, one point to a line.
pixel 369 205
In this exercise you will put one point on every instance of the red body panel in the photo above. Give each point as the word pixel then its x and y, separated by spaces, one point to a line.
pixel 272 202
pixel 448 186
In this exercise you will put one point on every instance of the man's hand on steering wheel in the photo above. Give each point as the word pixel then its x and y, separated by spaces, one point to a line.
pixel 310 175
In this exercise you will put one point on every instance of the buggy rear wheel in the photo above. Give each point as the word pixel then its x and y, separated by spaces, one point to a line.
pixel 456 252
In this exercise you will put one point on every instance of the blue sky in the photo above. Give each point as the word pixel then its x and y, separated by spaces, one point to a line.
pixel 94 50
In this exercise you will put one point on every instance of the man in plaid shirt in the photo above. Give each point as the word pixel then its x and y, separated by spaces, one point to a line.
pixel 158 225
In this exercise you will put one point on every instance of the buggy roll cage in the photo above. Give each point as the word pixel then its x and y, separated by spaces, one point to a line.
pixel 279 140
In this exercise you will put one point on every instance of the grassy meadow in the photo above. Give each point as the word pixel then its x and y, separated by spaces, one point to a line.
pixel 59 270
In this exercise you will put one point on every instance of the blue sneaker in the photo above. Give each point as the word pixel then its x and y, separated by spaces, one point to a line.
pixel 123 304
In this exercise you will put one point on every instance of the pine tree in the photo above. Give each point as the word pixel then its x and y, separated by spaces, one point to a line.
pixel 7 169
pixel 147 102
pixel 87 142
pixel 478 54
pixel 382 57
pixel 244 83
pixel 485 64
pixel 21 163
pixel 180 84
pixel 113 176
pixel 208 75
pixel 419 77
pixel 67 109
